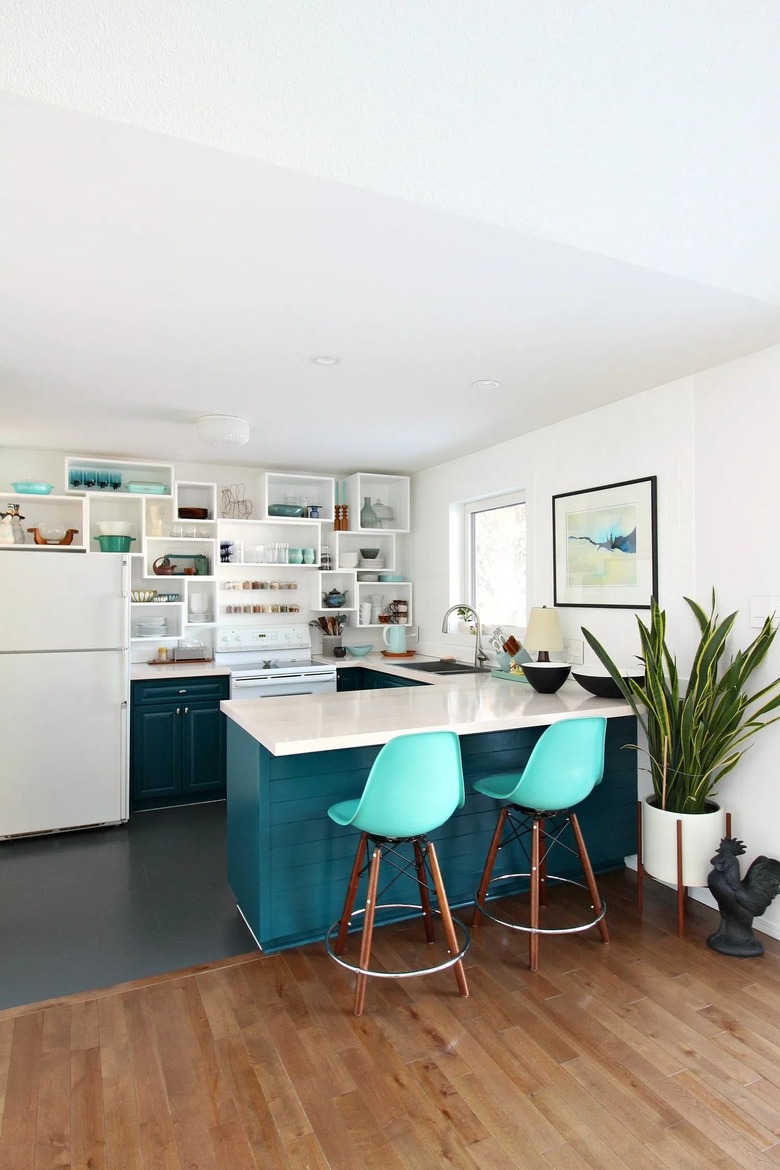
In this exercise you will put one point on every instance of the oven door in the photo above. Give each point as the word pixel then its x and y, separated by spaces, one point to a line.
pixel 260 685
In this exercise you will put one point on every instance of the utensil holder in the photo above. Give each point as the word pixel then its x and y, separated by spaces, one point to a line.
pixel 330 642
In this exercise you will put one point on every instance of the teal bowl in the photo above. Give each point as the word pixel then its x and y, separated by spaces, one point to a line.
pixel 285 510
pixel 28 488
pixel 359 651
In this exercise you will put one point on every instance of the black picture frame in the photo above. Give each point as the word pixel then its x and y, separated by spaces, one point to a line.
pixel 605 546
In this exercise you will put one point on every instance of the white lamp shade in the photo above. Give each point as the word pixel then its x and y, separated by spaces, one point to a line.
pixel 223 430
pixel 543 631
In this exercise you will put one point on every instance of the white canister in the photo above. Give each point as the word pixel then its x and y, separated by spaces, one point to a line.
pixel 365 613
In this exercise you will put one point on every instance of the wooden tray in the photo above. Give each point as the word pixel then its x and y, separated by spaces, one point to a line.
pixel 406 654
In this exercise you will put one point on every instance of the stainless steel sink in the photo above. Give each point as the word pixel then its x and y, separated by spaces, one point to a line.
pixel 445 666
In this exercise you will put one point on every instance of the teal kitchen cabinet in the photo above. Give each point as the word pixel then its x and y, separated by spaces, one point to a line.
pixel 177 741
pixel 375 680
pixel 349 678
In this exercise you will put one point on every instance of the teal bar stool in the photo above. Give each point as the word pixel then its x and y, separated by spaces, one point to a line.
pixel 414 786
pixel 564 767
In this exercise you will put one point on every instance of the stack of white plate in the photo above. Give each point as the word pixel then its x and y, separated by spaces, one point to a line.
pixel 151 627
pixel 372 563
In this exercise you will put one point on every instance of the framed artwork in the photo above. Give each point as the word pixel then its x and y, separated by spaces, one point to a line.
pixel 605 546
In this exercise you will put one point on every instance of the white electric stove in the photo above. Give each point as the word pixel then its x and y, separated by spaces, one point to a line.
pixel 266 661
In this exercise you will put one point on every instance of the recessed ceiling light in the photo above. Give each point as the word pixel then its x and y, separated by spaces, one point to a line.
pixel 485 384
pixel 324 359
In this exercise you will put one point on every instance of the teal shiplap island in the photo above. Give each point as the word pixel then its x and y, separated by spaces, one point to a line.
pixel 288 759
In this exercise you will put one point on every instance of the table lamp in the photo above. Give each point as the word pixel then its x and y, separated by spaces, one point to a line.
pixel 543 633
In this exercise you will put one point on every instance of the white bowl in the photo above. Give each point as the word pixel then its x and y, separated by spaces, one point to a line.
pixel 114 527
pixel 349 560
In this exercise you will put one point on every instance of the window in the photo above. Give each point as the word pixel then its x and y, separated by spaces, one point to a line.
pixel 495 543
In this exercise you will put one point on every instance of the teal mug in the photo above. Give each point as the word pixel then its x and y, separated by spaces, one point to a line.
pixel 308 556
pixel 295 556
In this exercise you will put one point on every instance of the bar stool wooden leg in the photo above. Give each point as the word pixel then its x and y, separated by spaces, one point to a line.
pixel 352 889
pixel 368 930
pixel 446 917
pixel 533 937
pixel 590 879
pixel 487 872
pixel 425 900
pixel 542 864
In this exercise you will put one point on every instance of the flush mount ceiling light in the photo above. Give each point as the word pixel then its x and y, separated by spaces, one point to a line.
pixel 485 384
pixel 223 430
pixel 325 359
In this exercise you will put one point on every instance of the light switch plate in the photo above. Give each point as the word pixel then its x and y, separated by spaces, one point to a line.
pixel 573 648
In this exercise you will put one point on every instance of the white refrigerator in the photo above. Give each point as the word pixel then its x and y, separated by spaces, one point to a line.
pixel 64 689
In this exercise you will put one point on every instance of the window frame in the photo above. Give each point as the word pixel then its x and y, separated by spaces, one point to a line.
pixel 470 509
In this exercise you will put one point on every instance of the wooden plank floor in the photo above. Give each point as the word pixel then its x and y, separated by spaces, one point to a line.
pixel 652 1052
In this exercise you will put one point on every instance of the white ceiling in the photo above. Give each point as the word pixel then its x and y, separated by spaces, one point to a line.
pixel 578 200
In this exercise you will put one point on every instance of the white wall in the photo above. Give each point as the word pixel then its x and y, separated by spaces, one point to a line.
pixel 711 440
pixel 629 440
pixel 737 492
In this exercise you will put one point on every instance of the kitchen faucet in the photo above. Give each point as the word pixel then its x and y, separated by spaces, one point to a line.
pixel 480 657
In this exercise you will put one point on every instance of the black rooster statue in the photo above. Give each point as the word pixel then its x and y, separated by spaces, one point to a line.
pixel 740 900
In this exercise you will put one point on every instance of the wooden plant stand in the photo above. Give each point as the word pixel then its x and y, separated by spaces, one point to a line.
pixel 682 891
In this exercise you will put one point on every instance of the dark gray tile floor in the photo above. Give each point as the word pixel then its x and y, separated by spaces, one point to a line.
pixel 84 910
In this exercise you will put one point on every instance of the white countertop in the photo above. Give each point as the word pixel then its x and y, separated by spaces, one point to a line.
pixel 143 670
pixel 466 704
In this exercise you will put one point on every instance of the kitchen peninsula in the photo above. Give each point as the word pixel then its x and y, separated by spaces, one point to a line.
pixel 289 759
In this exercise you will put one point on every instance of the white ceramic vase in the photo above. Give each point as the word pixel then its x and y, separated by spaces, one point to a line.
pixel 701 835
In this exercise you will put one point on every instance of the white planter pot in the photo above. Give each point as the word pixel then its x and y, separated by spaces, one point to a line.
pixel 701 835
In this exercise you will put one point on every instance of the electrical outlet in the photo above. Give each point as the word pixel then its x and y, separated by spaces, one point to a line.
pixel 573 648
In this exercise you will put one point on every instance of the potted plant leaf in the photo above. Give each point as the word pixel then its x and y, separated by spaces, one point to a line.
pixel 697 731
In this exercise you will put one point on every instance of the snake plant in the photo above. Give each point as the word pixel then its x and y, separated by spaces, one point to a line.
pixel 696 731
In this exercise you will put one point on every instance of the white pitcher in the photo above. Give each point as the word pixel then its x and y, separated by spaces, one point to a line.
pixel 395 639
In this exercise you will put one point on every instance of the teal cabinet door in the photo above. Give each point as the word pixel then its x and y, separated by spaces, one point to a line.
pixel 350 678
pixel 177 742
pixel 155 753
pixel 203 748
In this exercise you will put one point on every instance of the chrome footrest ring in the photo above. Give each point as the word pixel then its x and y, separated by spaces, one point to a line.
pixel 449 962
pixel 483 907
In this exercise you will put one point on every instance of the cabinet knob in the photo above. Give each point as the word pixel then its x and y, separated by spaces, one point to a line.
pixel 186 710
pixel 183 691
pixel 178 710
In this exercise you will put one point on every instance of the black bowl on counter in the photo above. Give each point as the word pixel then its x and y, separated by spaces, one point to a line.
pixel 546 677
pixel 602 685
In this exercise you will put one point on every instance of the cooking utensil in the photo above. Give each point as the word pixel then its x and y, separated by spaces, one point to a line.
pixel 497 638
pixel 114 543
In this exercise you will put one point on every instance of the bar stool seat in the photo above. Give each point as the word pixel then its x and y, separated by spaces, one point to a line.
pixel 563 768
pixel 414 786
